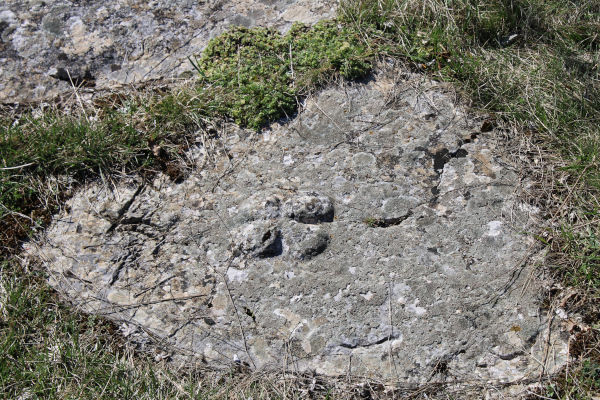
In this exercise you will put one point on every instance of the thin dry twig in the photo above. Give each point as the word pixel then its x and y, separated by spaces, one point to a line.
pixel 237 314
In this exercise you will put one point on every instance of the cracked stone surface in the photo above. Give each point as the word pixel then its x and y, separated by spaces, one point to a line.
pixel 46 44
pixel 378 233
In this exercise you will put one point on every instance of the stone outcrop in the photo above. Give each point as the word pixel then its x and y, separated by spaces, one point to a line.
pixel 46 46
pixel 378 233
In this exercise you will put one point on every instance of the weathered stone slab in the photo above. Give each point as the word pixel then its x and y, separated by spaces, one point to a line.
pixel 46 44
pixel 379 233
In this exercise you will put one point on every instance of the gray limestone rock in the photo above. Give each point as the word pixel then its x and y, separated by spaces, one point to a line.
pixel 259 239
pixel 441 274
pixel 309 208
pixel 47 45
pixel 306 241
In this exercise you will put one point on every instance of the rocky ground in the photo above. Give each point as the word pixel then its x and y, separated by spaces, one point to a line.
pixel 379 233
pixel 48 46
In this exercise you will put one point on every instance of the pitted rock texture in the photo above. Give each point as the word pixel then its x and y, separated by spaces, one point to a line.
pixel 378 233
pixel 46 44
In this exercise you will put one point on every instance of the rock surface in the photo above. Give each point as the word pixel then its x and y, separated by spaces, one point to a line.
pixel 378 233
pixel 46 44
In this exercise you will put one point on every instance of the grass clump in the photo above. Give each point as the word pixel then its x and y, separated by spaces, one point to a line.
pixel 44 154
pixel 48 351
pixel 56 145
pixel 261 73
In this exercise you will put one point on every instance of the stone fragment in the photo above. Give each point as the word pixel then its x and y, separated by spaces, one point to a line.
pixel 309 208
pixel 305 241
pixel 398 207
pixel 363 160
pixel 261 205
pixel 259 239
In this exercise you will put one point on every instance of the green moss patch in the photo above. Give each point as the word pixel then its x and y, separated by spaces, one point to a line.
pixel 261 72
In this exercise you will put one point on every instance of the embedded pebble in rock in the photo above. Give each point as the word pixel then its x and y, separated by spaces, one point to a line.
pixel 309 208
pixel 46 45
pixel 305 241
pixel 370 236
pixel 259 239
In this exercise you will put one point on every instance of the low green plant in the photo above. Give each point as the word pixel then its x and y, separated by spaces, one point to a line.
pixel 371 221
pixel 50 351
pixel 257 74
pixel 40 358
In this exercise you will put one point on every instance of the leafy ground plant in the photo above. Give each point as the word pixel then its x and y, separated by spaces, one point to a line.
pixel 263 72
